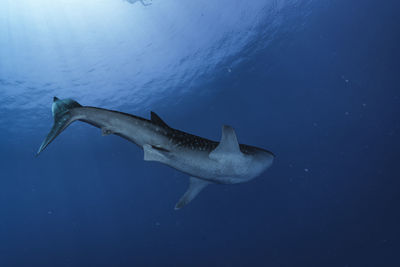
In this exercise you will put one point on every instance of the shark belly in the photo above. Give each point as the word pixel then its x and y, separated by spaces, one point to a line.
pixel 199 164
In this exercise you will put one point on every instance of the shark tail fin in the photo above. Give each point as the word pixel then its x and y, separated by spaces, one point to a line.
pixel 62 118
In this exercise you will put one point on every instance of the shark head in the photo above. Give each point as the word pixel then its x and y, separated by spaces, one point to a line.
pixel 259 160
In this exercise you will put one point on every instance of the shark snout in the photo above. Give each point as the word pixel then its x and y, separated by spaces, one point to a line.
pixel 267 158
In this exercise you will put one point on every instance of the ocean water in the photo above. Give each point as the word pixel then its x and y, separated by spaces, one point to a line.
pixel 315 82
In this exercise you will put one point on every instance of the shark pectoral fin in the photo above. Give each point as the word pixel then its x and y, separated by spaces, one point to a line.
pixel 195 187
pixel 152 153
pixel 227 145
pixel 106 131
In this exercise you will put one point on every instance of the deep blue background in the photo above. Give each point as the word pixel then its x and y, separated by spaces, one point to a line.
pixel 324 98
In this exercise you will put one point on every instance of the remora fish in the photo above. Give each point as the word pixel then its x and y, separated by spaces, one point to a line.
pixel 206 161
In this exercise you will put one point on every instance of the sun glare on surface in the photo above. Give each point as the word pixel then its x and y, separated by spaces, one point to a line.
pixel 91 49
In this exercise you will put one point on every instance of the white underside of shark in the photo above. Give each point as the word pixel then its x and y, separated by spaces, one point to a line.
pixel 206 161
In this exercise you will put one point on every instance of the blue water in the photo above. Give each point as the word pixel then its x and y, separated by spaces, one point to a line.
pixel 316 82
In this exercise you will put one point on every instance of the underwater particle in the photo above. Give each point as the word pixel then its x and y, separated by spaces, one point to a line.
pixel 306 170
pixel 50 212
pixel 344 78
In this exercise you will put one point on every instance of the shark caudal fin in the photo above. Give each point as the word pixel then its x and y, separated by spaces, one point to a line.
pixel 62 118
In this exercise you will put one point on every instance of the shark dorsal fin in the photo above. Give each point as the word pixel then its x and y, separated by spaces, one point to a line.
pixel 157 120
pixel 228 144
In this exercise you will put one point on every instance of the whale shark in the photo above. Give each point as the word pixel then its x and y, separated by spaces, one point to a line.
pixel 205 161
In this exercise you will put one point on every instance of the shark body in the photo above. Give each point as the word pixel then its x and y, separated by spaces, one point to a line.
pixel 205 161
